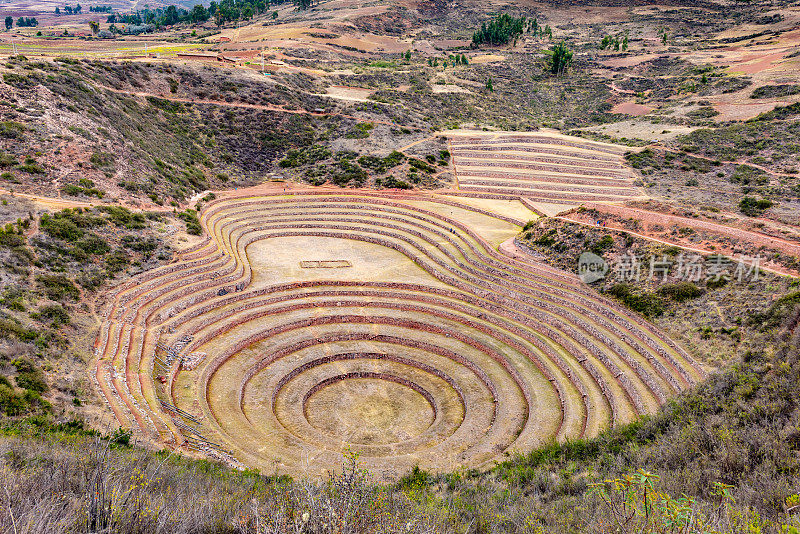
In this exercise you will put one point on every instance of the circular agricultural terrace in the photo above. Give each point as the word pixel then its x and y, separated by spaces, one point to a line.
pixel 390 324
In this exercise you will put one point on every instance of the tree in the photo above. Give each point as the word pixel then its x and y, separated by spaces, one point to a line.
pixel 464 60
pixel 199 13
pixel 9 23
pixel 27 22
pixel 533 26
pixel 58 11
pixel 94 26
pixel 303 4
pixel 170 16
pixel 560 58
pixel 490 85
pixel 500 30
pixel 274 15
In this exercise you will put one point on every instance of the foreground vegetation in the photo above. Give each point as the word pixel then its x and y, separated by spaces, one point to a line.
pixel 721 458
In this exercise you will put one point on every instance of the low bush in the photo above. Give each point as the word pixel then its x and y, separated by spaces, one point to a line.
pixel 680 291
pixel 644 302
pixel 754 207
pixel 58 287
pixel 192 222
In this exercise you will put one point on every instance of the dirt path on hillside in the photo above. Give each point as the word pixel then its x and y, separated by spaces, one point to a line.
pixel 657 146
pixel 774 269
pixel 665 219
pixel 260 107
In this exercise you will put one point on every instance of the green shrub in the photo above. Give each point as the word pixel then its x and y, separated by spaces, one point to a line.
pixel 392 182
pixel 192 222
pixel 31 167
pixel 122 216
pixel 603 244
pixel 421 165
pixel 775 91
pixel 75 190
pixel 10 402
pixel 58 286
pixel 415 480
pixel 139 244
pixel 778 311
pixel 754 207
pixel 93 244
pixel 11 237
pixel 55 313
pixel 68 224
pixel 680 291
pixel 7 160
pixel 10 327
pixel 643 160
pixel 101 159
pixel 11 129
pixel 60 228
pixel 116 261
pixel 746 175
pixel 14 404
pixel 360 130
pixel 32 381
pixel 644 302
pixel 381 165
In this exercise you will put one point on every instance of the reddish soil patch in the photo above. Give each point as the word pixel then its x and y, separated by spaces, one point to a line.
pixel 714 237
pixel 627 61
pixel 632 108
pixel 757 62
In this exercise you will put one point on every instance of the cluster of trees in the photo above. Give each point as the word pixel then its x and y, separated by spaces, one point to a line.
pixel 453 59
pixel 128 18
pixel 560 58
pixel 539 31
pixel 100 9
pixel 222 12
pixel 69 10
pixel 500 30
pixel 505 28
pixel 22 22
pixel 164 16
pixel 615 43
pixel 230 10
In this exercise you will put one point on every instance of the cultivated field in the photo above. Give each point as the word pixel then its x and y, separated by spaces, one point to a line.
pixel 390 324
